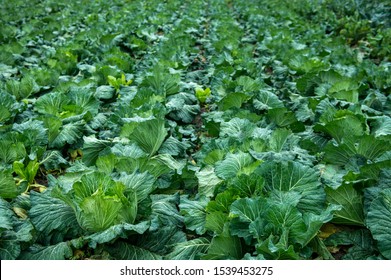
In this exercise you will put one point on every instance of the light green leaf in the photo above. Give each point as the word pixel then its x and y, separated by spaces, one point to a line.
pixel 149 135
pixel 248 185
pixel 235 164
pixel 207 181
pixel 98 213
pixel 215 221
pixel 248 209
pixel 240 129
pixel 116 231
pixel 189 250
pixel 266 100
pixel 8 187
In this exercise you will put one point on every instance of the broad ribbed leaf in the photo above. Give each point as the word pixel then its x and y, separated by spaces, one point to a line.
pixel 351 202
pixel 248 209
pixel 194 214
pixel 379 221
pixel 293 176
pixel 98 213
pixel 224 247
pixel 266 100
pixel 189 250
pixel 60 251
pixel 207 181
pixel 149 135
pixel 234 165
pixel 50 215
pixel 125 251
pixel 115 232
pixel 92 148
pixel 240 129
pixel 141 183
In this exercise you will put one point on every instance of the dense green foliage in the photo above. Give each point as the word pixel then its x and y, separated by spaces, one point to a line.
pixel 216 129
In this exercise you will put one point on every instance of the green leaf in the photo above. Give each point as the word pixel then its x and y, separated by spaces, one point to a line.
pixel 10 152
pixel 266 100
pixel 207 181
pixel 273 249
pixel 361 242
pixel 51 216
pixel 248 209
pixel 124 251
pixel 215 221
pixel 346 125
pixel 116 231
pixel 149 135
pixel 164 211
pixel 234 165
pixel 8 188
pixel 248 185
pixel 351 202
pixel 202 94
pixel 224 247
pixel 142 183
pixel 92 149
pixel 240 129
pixel 98 213
pixel 60 251
pixel 194 214
pixel 51 103
pixel 292 176
pixel 5 216
pixel 189 250
pixel 65 134
pixel 379 221
pixel 182 107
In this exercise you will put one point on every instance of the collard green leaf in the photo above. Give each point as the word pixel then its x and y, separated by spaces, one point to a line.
pixel 351 202
pixel 51 216
pixel 379 221
pixel 59 251
pixel 235 164
pixel 114 232
pixel 207 181
pixel 194 214
pixel 98 213
pixel 124 251
pixel 92 149
pixel 224 247
pixel 248 185
pixel 240 129
pixel 149 135
pixel 361 242
pixel 8 188
pixel 5 216
pixel 189 250
pixel 142 183
pixel 215 221
pixel 296 177
pixel 266 100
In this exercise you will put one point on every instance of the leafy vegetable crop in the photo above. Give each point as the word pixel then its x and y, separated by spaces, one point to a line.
pixel 216 129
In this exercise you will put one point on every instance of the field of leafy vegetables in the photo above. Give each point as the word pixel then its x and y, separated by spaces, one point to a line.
pixel 195 129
